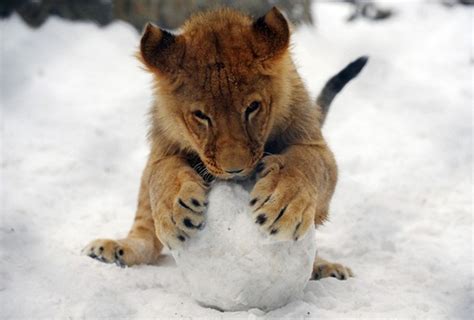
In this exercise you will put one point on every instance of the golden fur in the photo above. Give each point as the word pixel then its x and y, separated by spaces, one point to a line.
pixel 227 92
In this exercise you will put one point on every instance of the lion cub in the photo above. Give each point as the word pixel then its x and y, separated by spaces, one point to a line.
pixel 229 100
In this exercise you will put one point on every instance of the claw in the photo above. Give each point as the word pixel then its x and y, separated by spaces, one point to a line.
pixel 189 224
pixel 296 230
pixel 201 226
pixel 185 206
pixel 263 203
pixel 119 263
pixel 99 258
pixel 282 212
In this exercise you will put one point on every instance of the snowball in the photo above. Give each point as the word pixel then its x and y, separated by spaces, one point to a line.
pixel 232 265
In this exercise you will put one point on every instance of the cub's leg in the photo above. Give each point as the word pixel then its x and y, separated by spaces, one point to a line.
pixel 178 200
pixel 323 269
pixel 141 246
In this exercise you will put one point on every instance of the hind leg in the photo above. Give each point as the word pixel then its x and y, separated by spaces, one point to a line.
pixel 323 269
pixel 141 246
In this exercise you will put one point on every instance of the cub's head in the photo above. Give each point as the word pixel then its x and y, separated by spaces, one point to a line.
pixel 221 84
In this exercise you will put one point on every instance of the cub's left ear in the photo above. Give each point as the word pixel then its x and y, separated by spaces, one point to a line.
pixel 160 50
pixel 272 34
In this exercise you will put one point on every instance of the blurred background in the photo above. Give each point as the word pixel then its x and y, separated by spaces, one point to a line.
pixel 171 14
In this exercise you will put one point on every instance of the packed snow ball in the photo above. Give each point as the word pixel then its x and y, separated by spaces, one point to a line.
pixel 231 265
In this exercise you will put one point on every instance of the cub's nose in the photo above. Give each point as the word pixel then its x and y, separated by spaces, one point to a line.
pixel 234 171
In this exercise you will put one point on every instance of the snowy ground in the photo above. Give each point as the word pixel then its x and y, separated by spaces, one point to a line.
pixel 73 145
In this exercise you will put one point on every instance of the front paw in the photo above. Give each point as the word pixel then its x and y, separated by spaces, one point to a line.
pixel 110 251
pixel 283 200
pixel 181 214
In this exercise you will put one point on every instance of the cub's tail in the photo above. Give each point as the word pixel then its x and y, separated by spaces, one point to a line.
pixel 336 83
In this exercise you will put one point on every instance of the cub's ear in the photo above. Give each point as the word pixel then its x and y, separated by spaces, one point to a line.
pixel 160 50
pixel 272 34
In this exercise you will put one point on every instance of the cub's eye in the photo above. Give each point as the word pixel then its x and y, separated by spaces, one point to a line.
pixel 201 116
pixel 254 106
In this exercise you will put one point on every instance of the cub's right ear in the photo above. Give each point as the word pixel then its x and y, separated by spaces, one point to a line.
pixel 160 50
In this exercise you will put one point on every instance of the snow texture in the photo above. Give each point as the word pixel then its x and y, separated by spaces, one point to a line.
pixel 73 110
pixel 232 265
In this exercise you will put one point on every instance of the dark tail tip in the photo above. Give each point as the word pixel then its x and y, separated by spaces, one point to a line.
pixel 337 82
pixel 356 66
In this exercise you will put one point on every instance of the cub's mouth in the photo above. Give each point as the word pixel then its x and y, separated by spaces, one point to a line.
pixel 209 174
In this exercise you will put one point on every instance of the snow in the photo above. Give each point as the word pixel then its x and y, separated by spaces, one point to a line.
pixel 264 273
pixel 74 104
